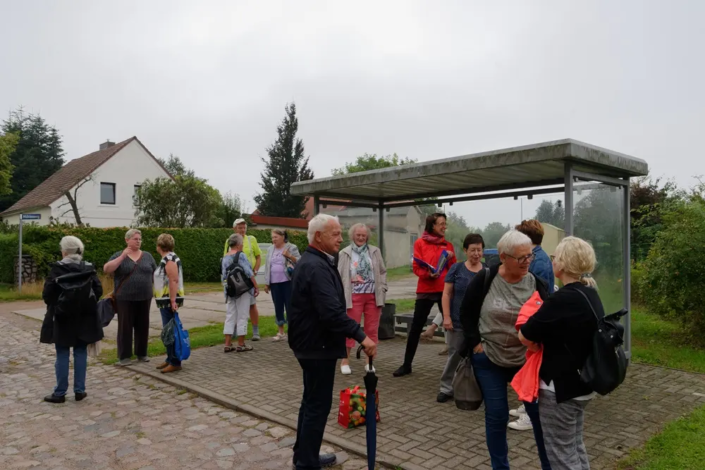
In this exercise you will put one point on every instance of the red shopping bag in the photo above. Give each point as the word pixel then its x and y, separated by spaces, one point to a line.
pixel 353 407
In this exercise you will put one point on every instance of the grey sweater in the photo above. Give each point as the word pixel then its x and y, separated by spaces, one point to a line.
pixel 139 285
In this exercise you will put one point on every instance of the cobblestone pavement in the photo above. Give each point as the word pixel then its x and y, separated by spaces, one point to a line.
pixel 415 431
pixel 129 421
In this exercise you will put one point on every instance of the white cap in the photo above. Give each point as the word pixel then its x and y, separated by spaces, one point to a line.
pixel 238 222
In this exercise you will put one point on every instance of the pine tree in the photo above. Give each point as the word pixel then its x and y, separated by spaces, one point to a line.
pixel 286 165
pixel 37 155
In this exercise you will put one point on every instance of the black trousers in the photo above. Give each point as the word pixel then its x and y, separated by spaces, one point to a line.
pixel 422 309
pixel 133 315
pixel 319 375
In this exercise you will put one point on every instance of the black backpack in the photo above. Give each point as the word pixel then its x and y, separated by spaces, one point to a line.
pixel 77 297
pixel 237 281
pixel 606 366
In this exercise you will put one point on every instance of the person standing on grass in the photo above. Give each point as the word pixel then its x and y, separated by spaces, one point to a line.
pixel 237 308
pixel 169 293
pixel 565 325
pixel 254 256
pixel 364 278
pixel 318 327
pixel 456 284
pixel 74 325
pixel 133 270
pixel 429 290
pixel 282 257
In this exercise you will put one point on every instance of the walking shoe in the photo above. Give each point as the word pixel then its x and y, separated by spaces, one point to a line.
pixel 325 461
pixel 55 398
pixel 518 412
pixel 124 362
pixel 278 337
pixel 81 395
pixel 143 358
pixel 521 424
pixel 442 398
pixel 255 337
pixel 443 352
pixel 345 369
pixel 170 368
pixel 402 371
pixel 162 365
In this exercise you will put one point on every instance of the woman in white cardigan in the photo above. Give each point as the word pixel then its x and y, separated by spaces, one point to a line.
pixel 364 279
pixel 281 259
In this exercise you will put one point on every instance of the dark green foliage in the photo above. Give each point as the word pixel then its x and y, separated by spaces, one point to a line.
pixel 286 164
pixel 368 162
pixel 553 214
pixel 37 155
pixel 200 250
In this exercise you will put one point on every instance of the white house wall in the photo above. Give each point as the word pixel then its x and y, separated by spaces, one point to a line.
pixel 44 212
pixel 129 167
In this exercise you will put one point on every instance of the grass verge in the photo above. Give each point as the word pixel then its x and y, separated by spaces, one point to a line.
pixel 29 292
pixel 201 337
pixel 680 446
pixel 403 305
pixel 401 272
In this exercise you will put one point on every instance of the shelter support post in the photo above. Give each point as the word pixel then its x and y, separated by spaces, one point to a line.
pixel 380 214
pixel 627 279
pixel 568 199
pixel 316 205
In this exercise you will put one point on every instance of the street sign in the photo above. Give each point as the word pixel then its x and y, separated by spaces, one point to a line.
pixel 31 216
pixel 24 217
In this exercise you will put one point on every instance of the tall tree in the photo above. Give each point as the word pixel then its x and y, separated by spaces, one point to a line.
pixel 553 214
pixel 8 142
pixel 37 155
pixel 493 232
pixel 286 164
pixel 368 162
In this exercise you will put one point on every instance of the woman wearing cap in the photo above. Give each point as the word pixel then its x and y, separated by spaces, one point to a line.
pixel 278 267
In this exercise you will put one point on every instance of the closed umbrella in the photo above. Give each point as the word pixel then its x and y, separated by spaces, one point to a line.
pixel 370 412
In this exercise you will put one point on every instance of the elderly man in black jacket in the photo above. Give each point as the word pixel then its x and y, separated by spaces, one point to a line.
pixel 318 327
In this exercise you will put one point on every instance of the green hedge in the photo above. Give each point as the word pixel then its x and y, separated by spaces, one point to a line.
pixel 200 250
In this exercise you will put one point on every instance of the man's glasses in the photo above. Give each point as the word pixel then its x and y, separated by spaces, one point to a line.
pixel 522 259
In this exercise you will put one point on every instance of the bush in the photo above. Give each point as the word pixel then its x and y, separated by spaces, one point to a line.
pixel 200 250
pixel 672 282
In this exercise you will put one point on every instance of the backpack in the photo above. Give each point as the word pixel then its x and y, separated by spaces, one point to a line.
pixel 77 296
pixel 606 366
pixel 237 281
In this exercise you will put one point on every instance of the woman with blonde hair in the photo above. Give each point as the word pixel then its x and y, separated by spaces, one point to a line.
pixel 565 325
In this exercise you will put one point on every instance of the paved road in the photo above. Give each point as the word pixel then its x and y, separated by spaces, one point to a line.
pixel 129 421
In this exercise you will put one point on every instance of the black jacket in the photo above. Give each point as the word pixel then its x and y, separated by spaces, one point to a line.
pixel 475 297
pixel 565 326
pixel 318 319
pixel 84 328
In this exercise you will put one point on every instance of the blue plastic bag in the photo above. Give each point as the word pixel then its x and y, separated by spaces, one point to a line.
pixel 182 343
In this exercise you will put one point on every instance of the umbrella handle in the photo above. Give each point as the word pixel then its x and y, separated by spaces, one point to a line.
pixel 359 352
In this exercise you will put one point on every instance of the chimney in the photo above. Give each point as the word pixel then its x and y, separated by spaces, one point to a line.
pixel 106 145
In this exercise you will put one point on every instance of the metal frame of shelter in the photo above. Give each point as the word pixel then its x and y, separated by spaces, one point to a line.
pixel 546 168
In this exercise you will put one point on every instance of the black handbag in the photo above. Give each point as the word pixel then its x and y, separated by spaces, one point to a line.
pixel 107 306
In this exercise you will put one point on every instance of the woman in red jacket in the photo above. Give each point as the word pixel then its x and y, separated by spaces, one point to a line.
pixel 429 289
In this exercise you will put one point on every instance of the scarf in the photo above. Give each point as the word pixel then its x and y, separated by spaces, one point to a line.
pixel 433 239
pixel 364 268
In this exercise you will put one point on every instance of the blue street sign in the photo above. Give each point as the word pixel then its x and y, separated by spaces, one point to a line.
pixel 31 216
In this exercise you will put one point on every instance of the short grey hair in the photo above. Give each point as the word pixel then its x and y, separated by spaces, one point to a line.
pixel 235 240
pixel 318 224
pixel 353 229
pixel 131 233
pixel 72 247
pixel 512 240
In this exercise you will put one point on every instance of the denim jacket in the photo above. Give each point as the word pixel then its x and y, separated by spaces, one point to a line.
pixel 542 267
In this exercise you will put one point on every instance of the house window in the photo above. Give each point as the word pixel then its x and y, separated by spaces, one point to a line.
pixel 107 193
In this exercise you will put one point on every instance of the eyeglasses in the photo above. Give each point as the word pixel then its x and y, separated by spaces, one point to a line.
pixel 523 259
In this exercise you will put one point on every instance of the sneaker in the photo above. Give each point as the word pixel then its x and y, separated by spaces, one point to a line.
pixel 521 424
pixel 402 371
pixel 256 337
pixel 277 337
pixel 81 395
pixel 124 362
pixel 518 412
pixel 55 398
pixel 442 398
pixel 443 352
pixel 345 369
pixel 143 358
pixel 325 461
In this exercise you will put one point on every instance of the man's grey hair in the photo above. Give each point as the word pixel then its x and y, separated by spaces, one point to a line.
pixel 512 240
pixel 354 228
pixel 318 224
pixel 131 233
pixel 72 247
pixel 235 240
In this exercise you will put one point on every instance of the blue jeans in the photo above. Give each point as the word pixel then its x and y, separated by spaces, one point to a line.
pixel 168 314
pixel 80 363
pixel 281 296
pixel 493 381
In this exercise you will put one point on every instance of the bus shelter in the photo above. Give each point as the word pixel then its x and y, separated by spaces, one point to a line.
pixel 594 182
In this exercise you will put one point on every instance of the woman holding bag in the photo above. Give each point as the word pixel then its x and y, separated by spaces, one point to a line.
pixel 133 270
pixel 169 293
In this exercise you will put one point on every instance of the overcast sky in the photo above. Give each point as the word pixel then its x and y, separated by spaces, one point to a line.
pixel 208 81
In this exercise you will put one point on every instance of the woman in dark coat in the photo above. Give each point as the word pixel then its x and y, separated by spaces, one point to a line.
pixel 72 319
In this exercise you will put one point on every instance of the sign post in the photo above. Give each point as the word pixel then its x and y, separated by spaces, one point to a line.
pixel 23 217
